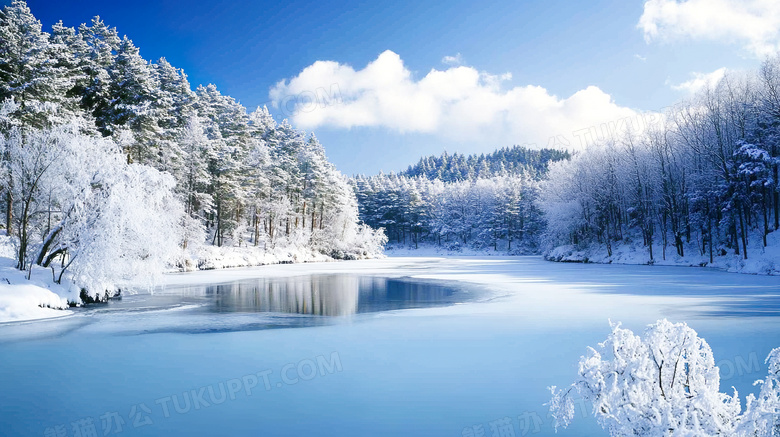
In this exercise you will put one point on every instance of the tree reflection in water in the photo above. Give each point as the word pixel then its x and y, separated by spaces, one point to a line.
pixel 329 295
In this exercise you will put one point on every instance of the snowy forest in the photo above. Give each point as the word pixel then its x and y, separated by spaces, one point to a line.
pixel 701 182
pixel 114 168
pixel 457 201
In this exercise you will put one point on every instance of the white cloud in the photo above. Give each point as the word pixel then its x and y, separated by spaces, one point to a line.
pixel 640 57
pixel 700 81
pixel 453 60
pixel 459 103
pixel 754 24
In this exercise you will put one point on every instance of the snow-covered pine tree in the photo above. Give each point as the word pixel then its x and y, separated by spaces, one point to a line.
pixel 36 79
pixel 134 105
pixel 95 50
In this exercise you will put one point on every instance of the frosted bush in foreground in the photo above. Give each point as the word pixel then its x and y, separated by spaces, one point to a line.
pixel 665 384
pixel 106 222
pixel 762 415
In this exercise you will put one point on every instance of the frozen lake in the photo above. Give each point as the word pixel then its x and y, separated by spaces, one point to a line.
pixel 402 346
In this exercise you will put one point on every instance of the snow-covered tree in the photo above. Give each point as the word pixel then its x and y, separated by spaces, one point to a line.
pixel 762 413
pixel 95 50
pixel 28 73
pixel 664 384
pixel 135 105
pixel 496 212
pixel 703 178
pixel 176 170
pixel 107 222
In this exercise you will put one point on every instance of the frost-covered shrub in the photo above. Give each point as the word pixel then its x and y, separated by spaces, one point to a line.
pixel 665 384
pixel 83 211
pixel 762 414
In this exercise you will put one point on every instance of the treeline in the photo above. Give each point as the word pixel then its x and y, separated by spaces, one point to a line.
pixel 705 177
pixel 237 179
pixel 494 213
pixel 457 167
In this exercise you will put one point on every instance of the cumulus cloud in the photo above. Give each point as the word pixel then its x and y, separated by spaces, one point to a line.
pixel 459 103
pixel 453 60
pixel 700 81
pixel 754 24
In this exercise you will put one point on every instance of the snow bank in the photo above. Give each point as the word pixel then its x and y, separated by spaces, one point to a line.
pixel 213 257
pixel 29 302
pixel 761 260
pixel 37 298
pixel 451 250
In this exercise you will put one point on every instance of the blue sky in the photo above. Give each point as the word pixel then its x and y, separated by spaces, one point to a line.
pixel 572 64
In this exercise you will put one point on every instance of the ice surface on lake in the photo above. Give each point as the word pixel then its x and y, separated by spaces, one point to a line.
pixel 478 360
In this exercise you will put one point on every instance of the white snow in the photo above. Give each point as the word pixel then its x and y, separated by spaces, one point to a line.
pixel 213 257
pixel 38 298
pixel 761 260
pixel 427 249
pixel 29 302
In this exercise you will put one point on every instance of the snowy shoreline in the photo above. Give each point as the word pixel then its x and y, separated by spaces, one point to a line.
pixel 760 261
pixel 41 298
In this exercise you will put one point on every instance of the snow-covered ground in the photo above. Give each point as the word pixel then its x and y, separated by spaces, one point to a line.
pixel 761 260
pixel 213 257
pixel 38 298
pixel 465 369
pixel 436 250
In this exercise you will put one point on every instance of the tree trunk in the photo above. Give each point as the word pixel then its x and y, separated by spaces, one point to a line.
pixel 313 216
pixel 712 237
pixel 765 210
pixel 47 245
pixel 776 195
pixel 743 234
pixel 23 235
pixel 9 212
pixel 257 228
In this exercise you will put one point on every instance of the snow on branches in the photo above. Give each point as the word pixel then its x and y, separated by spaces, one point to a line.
pixel 665 384
pixel 77 201
pixel 113 168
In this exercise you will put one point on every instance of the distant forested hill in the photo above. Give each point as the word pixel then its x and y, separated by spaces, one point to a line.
pixel 458 201
pixel 505 161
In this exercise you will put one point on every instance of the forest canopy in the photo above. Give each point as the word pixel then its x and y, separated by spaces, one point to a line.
pixel 703 179
pixel 114 168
